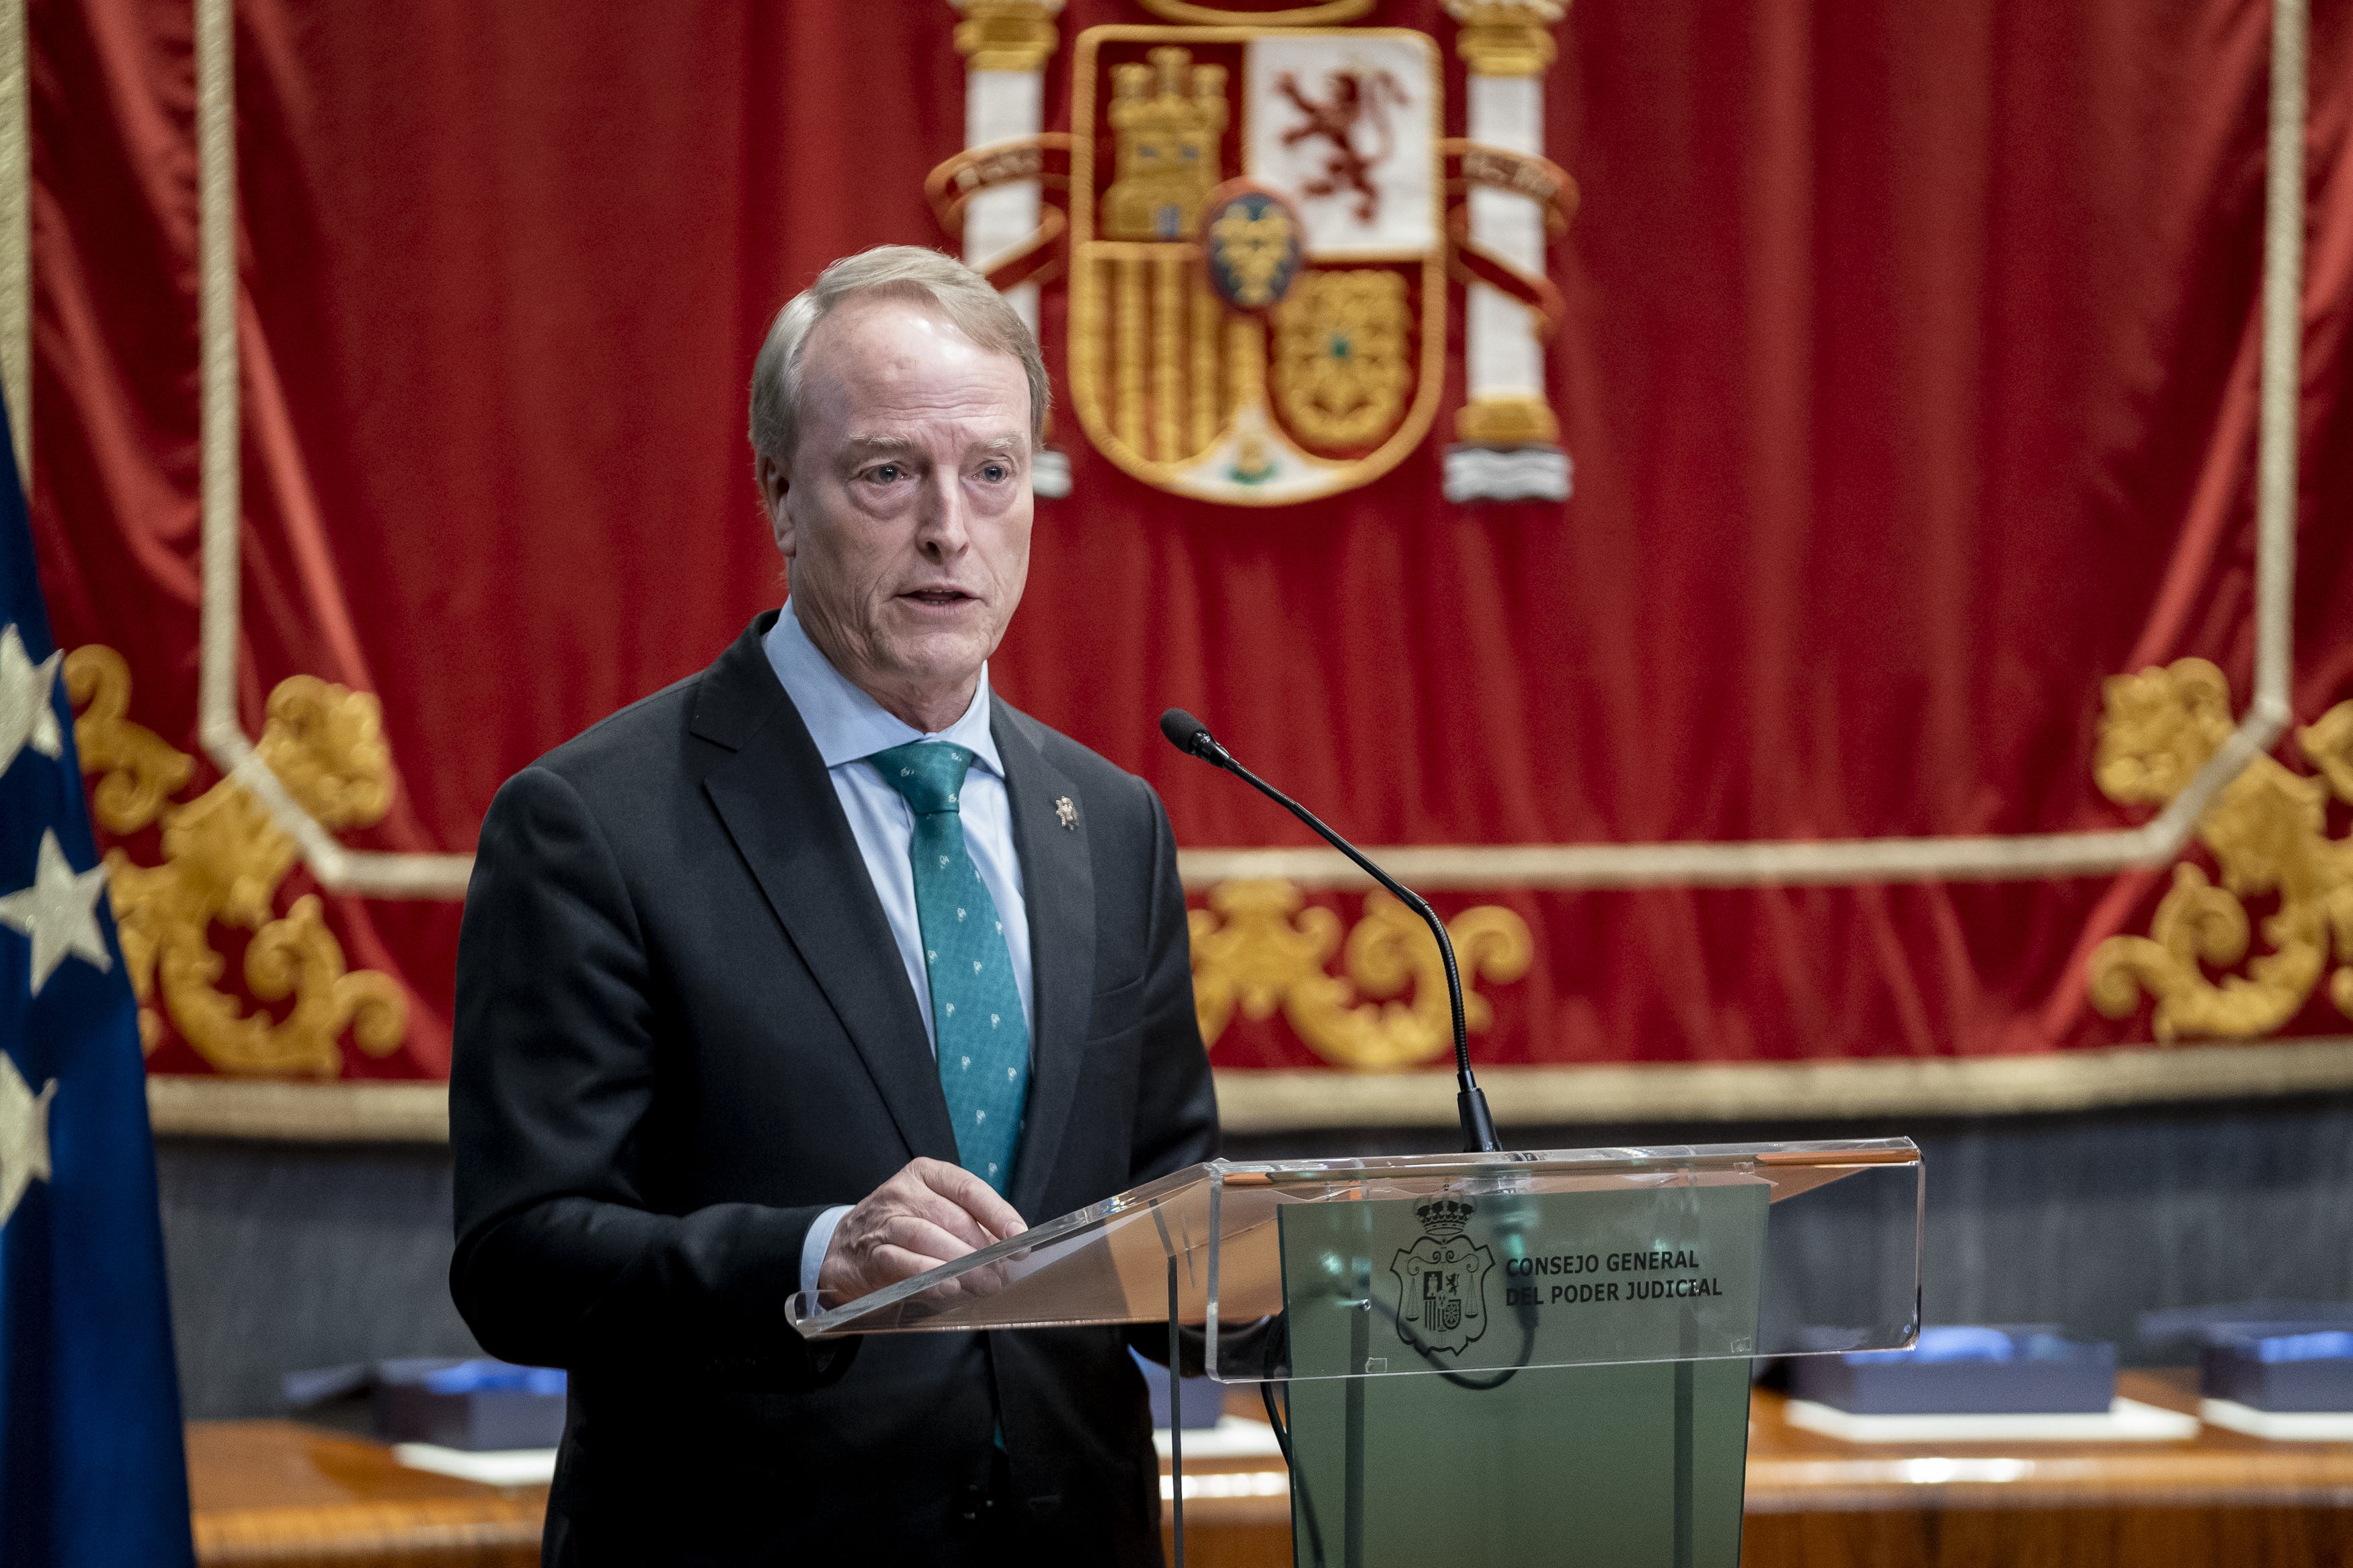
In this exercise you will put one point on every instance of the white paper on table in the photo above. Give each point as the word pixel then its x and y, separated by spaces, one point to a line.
pixel 2125 1420
pixel 2279 1425
pixel 1233 1437
pixel 493 1467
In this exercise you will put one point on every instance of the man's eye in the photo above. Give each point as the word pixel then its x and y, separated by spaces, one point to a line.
pixel 886 474
pixel 995 471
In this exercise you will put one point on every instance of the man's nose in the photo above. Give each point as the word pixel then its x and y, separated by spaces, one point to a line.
pixel 945 513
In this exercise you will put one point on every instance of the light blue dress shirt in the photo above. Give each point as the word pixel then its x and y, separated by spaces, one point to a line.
pixel 849 726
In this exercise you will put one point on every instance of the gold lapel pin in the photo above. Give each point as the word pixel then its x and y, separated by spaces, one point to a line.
pixel 1066 813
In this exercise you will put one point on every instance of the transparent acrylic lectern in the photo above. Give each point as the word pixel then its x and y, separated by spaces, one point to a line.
pixel 1486 1358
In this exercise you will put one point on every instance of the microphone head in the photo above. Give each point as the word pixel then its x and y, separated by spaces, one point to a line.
pixel 1188 733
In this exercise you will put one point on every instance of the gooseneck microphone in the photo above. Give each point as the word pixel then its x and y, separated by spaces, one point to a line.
pixel 1189 735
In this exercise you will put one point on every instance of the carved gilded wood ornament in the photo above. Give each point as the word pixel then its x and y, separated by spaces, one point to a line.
pixel 2268 828
pixel 1257 948
pixel 224 860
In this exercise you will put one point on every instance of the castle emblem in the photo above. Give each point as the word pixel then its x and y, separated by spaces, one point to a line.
pixel 1443 1280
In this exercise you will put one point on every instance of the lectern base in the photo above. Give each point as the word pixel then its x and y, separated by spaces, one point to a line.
pixel 1638 1467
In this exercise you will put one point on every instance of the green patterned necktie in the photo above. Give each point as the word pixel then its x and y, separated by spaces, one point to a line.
pixel 981 1039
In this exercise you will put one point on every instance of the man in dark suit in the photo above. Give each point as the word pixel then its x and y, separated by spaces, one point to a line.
pixel 733 1020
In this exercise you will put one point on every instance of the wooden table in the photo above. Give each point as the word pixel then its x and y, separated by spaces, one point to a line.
pixel 299 1497
pixel 2218 1499
pixel 1230 1532
pixel 285 1494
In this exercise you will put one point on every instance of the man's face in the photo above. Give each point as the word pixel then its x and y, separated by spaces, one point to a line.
pixel 905 513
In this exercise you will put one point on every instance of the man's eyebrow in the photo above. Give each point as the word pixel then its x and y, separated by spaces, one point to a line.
pixel 1009 442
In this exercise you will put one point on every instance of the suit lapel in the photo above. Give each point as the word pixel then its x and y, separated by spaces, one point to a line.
pixel 1059 888
pixel 780 809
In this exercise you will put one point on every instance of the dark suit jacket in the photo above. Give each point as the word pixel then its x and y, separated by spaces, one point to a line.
pixel 683 1030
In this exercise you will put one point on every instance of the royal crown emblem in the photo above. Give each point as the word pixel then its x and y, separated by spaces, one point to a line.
pixel 1444 1218
pixel 1441 1279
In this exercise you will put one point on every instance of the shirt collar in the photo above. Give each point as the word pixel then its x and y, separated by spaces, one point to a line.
pixel 846 724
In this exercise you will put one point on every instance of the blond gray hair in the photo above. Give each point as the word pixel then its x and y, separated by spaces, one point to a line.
pixel 938 282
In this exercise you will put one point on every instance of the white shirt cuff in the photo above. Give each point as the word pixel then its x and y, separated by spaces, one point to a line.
pixel 813 1250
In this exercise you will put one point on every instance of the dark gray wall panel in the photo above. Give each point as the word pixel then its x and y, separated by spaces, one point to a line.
pixel 290 1255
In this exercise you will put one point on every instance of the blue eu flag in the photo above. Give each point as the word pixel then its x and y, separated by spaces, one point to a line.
pixel 90 1463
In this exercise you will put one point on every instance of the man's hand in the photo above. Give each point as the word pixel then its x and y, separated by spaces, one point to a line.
pixel 929 1214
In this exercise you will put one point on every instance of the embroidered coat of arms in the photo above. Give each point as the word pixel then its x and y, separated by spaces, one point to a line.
pixel 1257 257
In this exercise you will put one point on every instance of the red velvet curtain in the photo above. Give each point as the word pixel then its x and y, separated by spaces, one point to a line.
pixel 1909 373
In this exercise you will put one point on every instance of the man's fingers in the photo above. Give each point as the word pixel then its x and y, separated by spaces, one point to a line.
pixel 984 1281
pixel 930 1214
pixel 884 1266
pixel 921 1236
pixel 972 1194
pixel 944 1212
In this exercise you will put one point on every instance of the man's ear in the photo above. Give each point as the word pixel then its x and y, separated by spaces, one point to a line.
pixel 774 481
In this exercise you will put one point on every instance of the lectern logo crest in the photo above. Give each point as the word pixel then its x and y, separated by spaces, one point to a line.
pixel 1443 1280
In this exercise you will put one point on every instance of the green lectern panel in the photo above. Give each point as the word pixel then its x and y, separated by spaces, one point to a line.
pixel 1500 1451
pixel 1618 1466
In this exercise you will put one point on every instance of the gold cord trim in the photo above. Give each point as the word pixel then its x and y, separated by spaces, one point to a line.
pixel 17 237
pixel 1270 1101
pixel 357 1110
pixel 1259 1101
